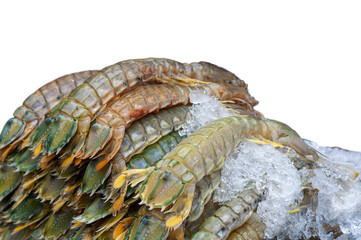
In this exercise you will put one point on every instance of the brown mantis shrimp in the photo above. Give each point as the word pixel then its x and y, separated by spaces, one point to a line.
pixel 173 179
pixel 108 128
pixel 74 113
pixel 28 116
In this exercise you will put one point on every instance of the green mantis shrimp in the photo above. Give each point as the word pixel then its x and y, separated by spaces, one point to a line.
pixel 172 181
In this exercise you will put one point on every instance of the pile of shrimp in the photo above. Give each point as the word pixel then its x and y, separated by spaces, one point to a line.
pixel 98 155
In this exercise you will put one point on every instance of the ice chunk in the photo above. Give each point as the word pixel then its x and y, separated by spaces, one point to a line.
pixel 204 110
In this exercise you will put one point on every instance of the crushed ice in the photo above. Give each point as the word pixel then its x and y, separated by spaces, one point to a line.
pixel 268 168
pixel 260 166
pixel 204 110
pixel 337 204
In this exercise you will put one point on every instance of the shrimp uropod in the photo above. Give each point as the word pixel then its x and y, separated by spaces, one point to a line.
pixel 28 116
pixel 172 181
pixel 72 117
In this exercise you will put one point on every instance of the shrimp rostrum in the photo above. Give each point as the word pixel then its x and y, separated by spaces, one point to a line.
pixel 73 115
pixel 171 183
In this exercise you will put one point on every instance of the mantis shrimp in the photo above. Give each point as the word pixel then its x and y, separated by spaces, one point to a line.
pixel 28 116
pixel 150 224
pixel 148 157
pixel 171 119
pixel 107 131
pixel 73 115
pixel 143 132
pixel 232 215
pixel 253 229
pixel 140 134
pixel 149 129
pixel 153 221
pixel 243 110
pixel 174 95
pixel 173 179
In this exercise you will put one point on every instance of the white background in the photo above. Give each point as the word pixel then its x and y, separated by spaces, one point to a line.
pixel 301 59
